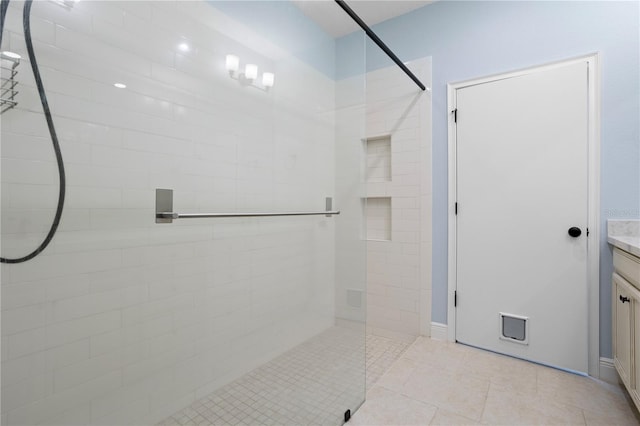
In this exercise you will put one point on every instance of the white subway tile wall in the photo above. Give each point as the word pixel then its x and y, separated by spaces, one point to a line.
pixel 350 166
pixel 378 218
pixel 378 159
pixel 124 321
pixel 398 270
pixel 398 265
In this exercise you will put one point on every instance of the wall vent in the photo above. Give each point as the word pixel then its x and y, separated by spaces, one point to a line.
pixel 354 298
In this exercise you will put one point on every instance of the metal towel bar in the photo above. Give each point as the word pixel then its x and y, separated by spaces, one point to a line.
pixel 164 213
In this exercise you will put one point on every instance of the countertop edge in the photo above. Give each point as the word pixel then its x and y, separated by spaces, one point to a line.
pixel 623 243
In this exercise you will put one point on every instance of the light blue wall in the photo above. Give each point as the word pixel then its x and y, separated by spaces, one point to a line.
pixel 285 25
pixel 474 39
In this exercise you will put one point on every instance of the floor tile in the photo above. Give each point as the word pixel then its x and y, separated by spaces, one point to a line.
pixel 481 387
pixel 502 371
pixel 611 417
pixel 506 407
pixel 455 392
pixel 385 407
pixel 381 353
pixel 446 418
pixel 426 383
pixel 398 374
pixel 436 354
pixel 312 384
pixel 586 393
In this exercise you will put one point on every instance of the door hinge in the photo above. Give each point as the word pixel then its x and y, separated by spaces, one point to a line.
pixel 455 298
pixel 456 208
pixel 455 115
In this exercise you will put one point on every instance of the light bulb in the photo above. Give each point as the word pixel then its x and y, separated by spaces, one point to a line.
pixel 184 47
pixel 120 85
pixel 232 63
pixel 251 71
pixel 268 79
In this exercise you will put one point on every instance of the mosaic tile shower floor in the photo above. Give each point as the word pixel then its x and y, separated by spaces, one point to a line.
pixel 311 384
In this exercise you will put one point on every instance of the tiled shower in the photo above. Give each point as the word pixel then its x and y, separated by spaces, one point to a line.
pixel 121 320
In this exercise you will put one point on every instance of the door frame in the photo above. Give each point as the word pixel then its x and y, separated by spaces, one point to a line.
pixel 593 224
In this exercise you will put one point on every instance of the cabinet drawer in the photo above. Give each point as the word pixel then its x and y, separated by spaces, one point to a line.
pixel 627 265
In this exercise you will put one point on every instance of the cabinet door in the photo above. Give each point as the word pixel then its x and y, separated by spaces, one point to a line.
pixel 634 392
pixel 622 328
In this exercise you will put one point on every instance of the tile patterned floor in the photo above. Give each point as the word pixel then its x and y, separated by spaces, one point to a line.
pixel 382 352
pixel 441 383
pixel 425 383
pixel 312 384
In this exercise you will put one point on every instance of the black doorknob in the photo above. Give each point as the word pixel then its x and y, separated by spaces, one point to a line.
pixel 575 231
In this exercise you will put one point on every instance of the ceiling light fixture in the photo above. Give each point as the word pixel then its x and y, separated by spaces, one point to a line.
pixel 268 78
pixel 232 63
pixel 251 71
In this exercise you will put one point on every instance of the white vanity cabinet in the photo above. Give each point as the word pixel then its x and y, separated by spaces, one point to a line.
pixel 626 320
pixel 623 326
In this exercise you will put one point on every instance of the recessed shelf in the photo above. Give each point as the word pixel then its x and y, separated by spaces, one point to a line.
pixel 378 167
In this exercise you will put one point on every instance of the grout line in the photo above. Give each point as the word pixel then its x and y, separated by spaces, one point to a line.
pixel 270 391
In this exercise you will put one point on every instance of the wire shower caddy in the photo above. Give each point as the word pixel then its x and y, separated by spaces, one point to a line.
pixel 8 83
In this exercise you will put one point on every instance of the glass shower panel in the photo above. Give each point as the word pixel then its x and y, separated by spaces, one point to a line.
pixel 236 107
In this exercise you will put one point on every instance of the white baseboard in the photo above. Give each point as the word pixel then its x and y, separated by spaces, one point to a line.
pixel 608 371
pixel 439 331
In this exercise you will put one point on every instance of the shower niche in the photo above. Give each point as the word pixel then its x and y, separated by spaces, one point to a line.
pixel 377 176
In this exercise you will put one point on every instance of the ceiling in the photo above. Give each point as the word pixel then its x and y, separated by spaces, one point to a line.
pixel 337 23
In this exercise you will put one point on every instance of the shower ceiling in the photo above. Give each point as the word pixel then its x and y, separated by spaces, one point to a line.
pixel 335 22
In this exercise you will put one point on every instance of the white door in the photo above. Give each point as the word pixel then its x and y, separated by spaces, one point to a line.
pixel 522 169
